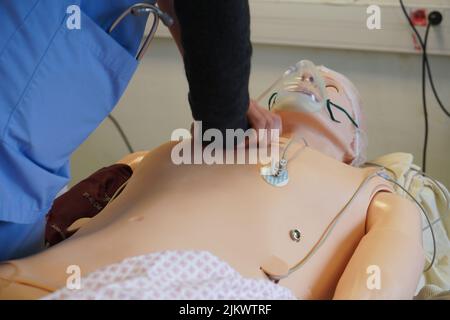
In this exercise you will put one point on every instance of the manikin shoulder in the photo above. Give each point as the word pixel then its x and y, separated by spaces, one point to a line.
pixel 389 210
pixel 386 209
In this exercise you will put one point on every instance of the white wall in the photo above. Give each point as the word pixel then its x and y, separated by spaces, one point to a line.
pixel 155 102
pixel 275 22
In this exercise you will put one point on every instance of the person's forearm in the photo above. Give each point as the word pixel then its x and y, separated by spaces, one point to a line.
pixel 168 7
pixel 215 37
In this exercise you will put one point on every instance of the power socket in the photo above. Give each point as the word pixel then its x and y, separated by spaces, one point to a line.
pixel 419 17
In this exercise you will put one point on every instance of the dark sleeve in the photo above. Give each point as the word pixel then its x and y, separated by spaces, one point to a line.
pixel 215 35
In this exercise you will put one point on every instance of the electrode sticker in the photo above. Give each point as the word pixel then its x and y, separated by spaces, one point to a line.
pixel 277 180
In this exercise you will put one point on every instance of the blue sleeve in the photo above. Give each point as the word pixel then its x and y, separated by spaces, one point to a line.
pixel 57 86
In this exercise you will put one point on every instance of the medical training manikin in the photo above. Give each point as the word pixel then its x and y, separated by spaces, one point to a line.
pixel 333 230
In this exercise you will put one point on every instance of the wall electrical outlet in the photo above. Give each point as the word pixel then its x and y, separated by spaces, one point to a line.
pixel 419 17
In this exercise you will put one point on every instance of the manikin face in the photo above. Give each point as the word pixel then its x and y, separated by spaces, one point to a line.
pixel 303 108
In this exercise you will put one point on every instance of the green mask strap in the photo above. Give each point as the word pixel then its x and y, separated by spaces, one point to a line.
pixel 272 100
pixel 330 111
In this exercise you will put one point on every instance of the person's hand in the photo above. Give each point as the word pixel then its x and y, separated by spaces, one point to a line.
pixel 260 118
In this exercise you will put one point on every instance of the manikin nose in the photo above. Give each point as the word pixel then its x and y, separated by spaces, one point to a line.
pixel 307 77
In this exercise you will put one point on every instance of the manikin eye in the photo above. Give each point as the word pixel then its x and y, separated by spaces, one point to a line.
pixel 330 86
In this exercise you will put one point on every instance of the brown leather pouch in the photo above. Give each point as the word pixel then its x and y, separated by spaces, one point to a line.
pixel 84 200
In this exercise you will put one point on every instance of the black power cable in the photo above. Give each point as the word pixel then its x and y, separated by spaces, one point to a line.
pixel 424 101
pixel 434 19
pixel 122 133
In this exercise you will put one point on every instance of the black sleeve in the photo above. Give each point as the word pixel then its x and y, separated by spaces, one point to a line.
pixel 215 35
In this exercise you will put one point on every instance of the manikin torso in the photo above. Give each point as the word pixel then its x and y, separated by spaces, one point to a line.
pixel 228 210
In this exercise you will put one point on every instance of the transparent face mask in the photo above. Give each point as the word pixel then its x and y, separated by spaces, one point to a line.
pixel 300 88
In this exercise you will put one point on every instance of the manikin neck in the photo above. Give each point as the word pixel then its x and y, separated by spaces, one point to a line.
pixel 302 129
pixel 291 129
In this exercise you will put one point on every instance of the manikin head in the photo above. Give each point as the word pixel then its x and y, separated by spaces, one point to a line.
pixel 303 109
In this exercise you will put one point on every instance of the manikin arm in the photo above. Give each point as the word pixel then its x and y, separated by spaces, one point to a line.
pixel 389 260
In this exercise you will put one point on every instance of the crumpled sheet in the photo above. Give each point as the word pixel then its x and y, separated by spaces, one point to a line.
pixel 172 275
pixel 434 197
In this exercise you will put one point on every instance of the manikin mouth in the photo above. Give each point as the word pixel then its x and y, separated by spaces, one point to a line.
pixel 307 92
pixel 310 94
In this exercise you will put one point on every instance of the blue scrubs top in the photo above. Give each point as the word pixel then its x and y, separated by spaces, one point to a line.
pixel 56 86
